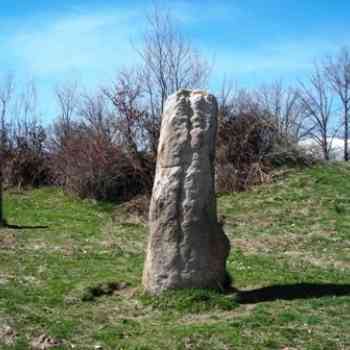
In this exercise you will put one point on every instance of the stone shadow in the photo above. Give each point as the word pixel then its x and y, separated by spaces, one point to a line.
pixel 20 227
pixel 291 292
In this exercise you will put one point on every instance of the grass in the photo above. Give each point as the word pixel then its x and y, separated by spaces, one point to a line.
pixel 71 271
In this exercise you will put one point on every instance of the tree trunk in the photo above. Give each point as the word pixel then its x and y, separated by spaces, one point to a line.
pixel 346 136
pixel 325 149
pixel 2 220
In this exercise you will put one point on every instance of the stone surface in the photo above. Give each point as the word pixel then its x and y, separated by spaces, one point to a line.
pixel 187 247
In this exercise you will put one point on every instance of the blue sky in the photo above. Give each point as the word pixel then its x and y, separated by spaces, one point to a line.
pixel 251 41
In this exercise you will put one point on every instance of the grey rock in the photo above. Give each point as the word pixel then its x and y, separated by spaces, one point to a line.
pixel 187 247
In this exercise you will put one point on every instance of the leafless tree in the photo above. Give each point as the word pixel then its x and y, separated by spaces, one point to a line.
pixel 169 63
pixel 67 97
pixel 317 102
pixel 337 71
pixel 63 129
pixel 132 123
pixel 130 120
pixel 96 115
pixel 27 165
pixel 285 107
pixel 6 95
pixel 26 113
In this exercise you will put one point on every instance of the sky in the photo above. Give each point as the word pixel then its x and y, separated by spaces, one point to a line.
pixel 248 41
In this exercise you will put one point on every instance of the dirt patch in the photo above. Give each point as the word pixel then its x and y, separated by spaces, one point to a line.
pixel 212 317
pixel 7 239
pixel 103 289
pixel 44 342
pixel 134 211
pixel 125 238
pixel 266 244
pixel 4 279
pixel 7 335
pixel 319 261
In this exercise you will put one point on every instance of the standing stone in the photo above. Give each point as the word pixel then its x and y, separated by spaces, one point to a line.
pixel 187 247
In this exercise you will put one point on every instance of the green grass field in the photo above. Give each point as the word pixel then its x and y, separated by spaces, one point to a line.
pixel 71 270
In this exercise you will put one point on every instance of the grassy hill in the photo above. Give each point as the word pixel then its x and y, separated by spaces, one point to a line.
pixel 70 270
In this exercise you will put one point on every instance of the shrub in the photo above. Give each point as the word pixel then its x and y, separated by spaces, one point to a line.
pixel 249 145
pixel 27 160
pixel 92 166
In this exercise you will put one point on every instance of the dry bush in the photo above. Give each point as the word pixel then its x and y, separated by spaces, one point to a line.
pixel 24 157
pixel 96 143
pixel 91 166
pixel 24 160
pixel 243 142
pixel 28 161
pixel 134 211
pixel 250 143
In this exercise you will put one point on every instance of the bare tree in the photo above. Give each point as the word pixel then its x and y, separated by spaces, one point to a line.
pixel 169 63
pixel 6 94
pixel 285 107
pixel 317 102
pixel 26 114
pixel 67 97
pixel 27 163
pixel 129 118
pixel 337 71
pixel 94 110
pixel 132 123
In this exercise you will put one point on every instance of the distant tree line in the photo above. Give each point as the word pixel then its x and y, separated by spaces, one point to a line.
pixel 103 145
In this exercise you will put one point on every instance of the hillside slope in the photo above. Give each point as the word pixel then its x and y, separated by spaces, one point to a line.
pixel 70 271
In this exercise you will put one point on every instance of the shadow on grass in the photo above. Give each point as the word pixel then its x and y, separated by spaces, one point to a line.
pixel 18 227
pixel 291 292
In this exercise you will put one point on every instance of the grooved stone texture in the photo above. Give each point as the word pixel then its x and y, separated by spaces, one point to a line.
pixel 187 247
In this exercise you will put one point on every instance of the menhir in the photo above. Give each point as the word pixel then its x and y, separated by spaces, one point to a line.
pixel 187 247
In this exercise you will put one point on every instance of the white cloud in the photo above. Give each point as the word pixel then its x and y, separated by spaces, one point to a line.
pixel 93 44
pixel 192 12
pixel 81 42
pixel 89 41
pixel 274 60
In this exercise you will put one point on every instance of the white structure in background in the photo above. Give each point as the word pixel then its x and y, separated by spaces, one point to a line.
pixel 312 147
